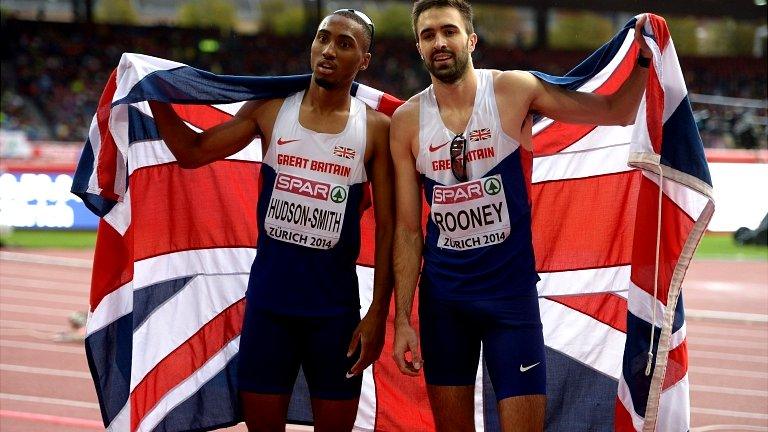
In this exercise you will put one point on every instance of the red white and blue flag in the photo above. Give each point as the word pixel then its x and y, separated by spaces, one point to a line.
pixel 175 247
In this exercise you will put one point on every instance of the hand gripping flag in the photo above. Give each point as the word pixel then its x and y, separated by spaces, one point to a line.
pixel 617 214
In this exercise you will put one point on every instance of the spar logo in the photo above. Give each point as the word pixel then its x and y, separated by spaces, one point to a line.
pixel 338 194
pixel 460 193
pixel 304 187
pixel 492 186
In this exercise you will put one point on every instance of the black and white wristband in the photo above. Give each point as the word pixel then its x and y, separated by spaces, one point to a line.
pixel 643 61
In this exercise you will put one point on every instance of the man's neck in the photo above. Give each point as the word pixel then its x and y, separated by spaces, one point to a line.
pixel 326 101
pixel 458 95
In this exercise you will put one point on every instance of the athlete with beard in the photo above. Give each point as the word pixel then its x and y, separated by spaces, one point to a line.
pixel 320 147
pixel 461 139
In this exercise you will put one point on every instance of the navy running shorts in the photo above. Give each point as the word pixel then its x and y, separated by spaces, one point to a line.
pixel 273 347
pixel 511 334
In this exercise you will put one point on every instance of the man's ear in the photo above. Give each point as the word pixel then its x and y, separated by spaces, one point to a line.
pixel 366 61
pixel 472 42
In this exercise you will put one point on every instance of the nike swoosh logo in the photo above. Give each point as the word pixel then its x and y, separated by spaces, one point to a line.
pixel 434 149
pixel 525 368
pixel 281 141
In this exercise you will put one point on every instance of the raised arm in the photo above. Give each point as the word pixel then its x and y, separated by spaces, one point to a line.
pixel 409 239
pixel 370 332
pixel 619 108
pixel 193 149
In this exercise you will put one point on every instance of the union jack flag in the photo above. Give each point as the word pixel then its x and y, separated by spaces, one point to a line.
pixel 480 134
pixel 175 246
pixel 345 152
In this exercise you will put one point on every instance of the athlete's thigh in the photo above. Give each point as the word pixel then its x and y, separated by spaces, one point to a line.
pixel 513 347
pixel 450 342
pixel 324 357
pixel 522 413
pixel 453 407
pixel 269 355
pixel 265 412
pixel 334 415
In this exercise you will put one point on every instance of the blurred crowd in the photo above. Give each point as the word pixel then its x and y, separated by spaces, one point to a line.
pixel 53 73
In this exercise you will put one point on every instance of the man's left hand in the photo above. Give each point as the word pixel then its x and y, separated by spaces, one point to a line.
pixel 369 335
pixel 645 50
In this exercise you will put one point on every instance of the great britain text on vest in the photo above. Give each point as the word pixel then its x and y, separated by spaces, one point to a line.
pixel 313 165
pixel 472 155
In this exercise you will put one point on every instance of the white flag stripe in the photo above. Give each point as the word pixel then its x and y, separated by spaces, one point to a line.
pixel 626 399
pixel 94 136
pixel 155 152
pixel 148 153
pixel 122 421
pixel 230 108
pixel 674 407
pixel 688 199
pixel 582 338
pixel 118 125
pixel 602 136
pixel 672 81
pixel 641 305
pixel 114 305
pixel 577 282
pixel 134 67
pixel 191 262
pixel 366 408
pixel 192 308
pixel 189 386
pixel 601 77
pixel 369 95
pixel 581 164
pixel 641 139
pixel 479 400
pixel 679 336
pixel 119 217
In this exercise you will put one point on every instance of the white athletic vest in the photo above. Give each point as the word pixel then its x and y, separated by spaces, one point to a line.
pixel 312 187
pixel 478 239
pixel 488 144
pixel 313 174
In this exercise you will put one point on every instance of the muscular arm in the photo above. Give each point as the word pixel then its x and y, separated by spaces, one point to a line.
pixel 370 332
pixel 408 243
pixel 382 173
pixel 619 108
pixel 193 149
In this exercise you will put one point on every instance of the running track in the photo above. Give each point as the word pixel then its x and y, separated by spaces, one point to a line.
pixel 45 386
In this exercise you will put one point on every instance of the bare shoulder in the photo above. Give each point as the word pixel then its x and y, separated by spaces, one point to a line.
pixel 513 80
pixel 257 108
pixel 271 106
pixel 407 114
pixel 377 121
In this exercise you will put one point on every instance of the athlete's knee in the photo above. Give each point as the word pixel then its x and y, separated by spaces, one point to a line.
pixel 453 407
pixel 523 413
pixel 334 415
pixel 264 413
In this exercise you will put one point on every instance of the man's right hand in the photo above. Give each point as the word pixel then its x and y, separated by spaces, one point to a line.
pixel 406 341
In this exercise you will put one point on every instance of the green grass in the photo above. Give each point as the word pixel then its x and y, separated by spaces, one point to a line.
pixel 722 246
pixel 50 239
pixel 713 246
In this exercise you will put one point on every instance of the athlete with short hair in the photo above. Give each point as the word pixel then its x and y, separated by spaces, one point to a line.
pixel 320 148
pixel 462 139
